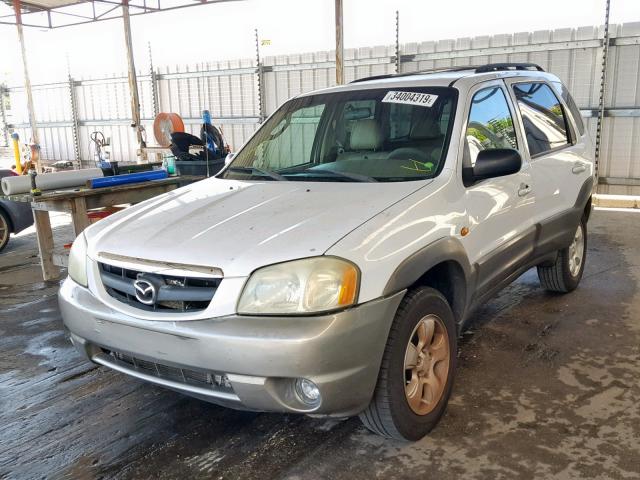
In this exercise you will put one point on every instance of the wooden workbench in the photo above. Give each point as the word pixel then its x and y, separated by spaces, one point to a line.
pixel 77 202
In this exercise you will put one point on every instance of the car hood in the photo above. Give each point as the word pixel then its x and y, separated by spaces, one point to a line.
pixel 240 226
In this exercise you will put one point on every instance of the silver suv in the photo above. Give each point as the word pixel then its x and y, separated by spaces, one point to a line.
pixel 329 268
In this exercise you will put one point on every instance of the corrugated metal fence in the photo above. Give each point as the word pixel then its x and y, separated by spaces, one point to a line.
pixel 230 90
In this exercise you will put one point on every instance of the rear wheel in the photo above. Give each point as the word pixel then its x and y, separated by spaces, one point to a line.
pixel 418 366
pixel 566 272
pixel 5 230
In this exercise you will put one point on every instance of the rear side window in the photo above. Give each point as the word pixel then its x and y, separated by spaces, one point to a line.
pixel 543 118
pixel 573 108
pixel 490 123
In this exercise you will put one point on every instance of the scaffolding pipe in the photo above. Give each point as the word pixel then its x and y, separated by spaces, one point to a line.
pixel 133 79
pixel 35 140
pixel 339 44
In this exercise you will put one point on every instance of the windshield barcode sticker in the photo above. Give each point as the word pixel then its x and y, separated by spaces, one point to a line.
pixel 410 98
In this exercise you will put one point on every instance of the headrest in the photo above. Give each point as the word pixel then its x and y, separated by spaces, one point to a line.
pixel 425 128
pixel 366 135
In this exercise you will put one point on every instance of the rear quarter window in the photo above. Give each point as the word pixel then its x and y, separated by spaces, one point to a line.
pixel 543 117
pixel 573 108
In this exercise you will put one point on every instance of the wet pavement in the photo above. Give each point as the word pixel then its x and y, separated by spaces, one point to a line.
pixel 547 387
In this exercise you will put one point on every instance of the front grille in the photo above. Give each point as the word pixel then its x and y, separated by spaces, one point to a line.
pixel 174 294
pixel 215 381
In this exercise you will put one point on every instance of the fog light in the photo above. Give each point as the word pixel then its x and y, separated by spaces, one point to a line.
pixel 307 391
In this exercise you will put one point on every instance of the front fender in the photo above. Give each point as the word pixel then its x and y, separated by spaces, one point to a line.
pixel 417 264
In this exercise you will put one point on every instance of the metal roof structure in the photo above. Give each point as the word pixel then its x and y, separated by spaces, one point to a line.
pixel 65 13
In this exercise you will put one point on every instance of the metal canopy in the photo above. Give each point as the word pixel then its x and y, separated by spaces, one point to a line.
pixel 42 4
pixel 64 13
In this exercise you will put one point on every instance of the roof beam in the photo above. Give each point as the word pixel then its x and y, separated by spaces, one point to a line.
pixel 141 7
pixel 29 9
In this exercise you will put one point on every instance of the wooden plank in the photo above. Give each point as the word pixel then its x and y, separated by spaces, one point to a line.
pixel 110 198
pixel 45 245
pixel 58 195
pixel 79 215
pixel 52 206
pixel 176 181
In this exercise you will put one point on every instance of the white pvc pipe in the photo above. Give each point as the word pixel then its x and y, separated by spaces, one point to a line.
pixel 49 181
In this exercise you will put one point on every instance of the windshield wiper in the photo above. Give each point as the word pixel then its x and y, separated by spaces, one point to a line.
pixel 265 172
pixel 352 176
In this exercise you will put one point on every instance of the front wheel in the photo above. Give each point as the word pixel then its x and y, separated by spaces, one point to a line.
pixel 418 366
pixel 566 272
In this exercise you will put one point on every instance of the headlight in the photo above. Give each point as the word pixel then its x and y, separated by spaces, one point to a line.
pixel 78 260
pixel 303 286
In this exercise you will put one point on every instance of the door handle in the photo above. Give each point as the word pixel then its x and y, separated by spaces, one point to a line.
pixel 524 190
pixel 578 167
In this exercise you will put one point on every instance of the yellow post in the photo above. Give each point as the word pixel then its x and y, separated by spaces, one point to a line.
pixel 16 152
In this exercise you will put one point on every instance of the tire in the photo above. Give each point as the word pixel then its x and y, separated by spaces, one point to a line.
pixel 5 230
pixel 390 413
pixel 566 272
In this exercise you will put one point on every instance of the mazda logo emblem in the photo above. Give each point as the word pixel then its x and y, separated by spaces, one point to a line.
pixel 146 291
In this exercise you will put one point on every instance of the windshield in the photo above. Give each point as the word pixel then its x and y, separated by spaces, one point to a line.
pixel 381 135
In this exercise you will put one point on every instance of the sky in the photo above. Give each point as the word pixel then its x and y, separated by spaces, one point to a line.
pixel 226 31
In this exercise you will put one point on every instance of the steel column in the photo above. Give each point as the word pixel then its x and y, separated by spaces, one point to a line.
pixel 260 79
pixel 133 79
pixel 27 82
pixel 603 85
pixel 74 119
pixel 339 44
pixel 398 58
pixel 154 85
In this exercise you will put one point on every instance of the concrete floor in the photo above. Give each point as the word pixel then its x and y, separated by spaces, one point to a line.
pixel 547 387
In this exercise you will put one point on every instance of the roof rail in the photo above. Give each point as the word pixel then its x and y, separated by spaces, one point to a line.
pixel 418 72
pixel 490 67
pixel 496 67
pixel 378 77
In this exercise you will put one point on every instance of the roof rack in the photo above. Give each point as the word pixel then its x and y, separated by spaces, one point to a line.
pixel 490 67
pixel 408 74
pixel 496 67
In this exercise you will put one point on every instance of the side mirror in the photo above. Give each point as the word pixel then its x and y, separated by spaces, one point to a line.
pixel 228 158
pixel 496 162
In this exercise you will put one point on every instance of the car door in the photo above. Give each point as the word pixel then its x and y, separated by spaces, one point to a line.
pixel 557 150
pixel 501 234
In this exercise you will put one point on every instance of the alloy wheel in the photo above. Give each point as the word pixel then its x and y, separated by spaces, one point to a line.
pixel 576 252
pixel 426 364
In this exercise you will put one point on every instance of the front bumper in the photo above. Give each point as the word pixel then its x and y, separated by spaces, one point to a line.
pixel 259 356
